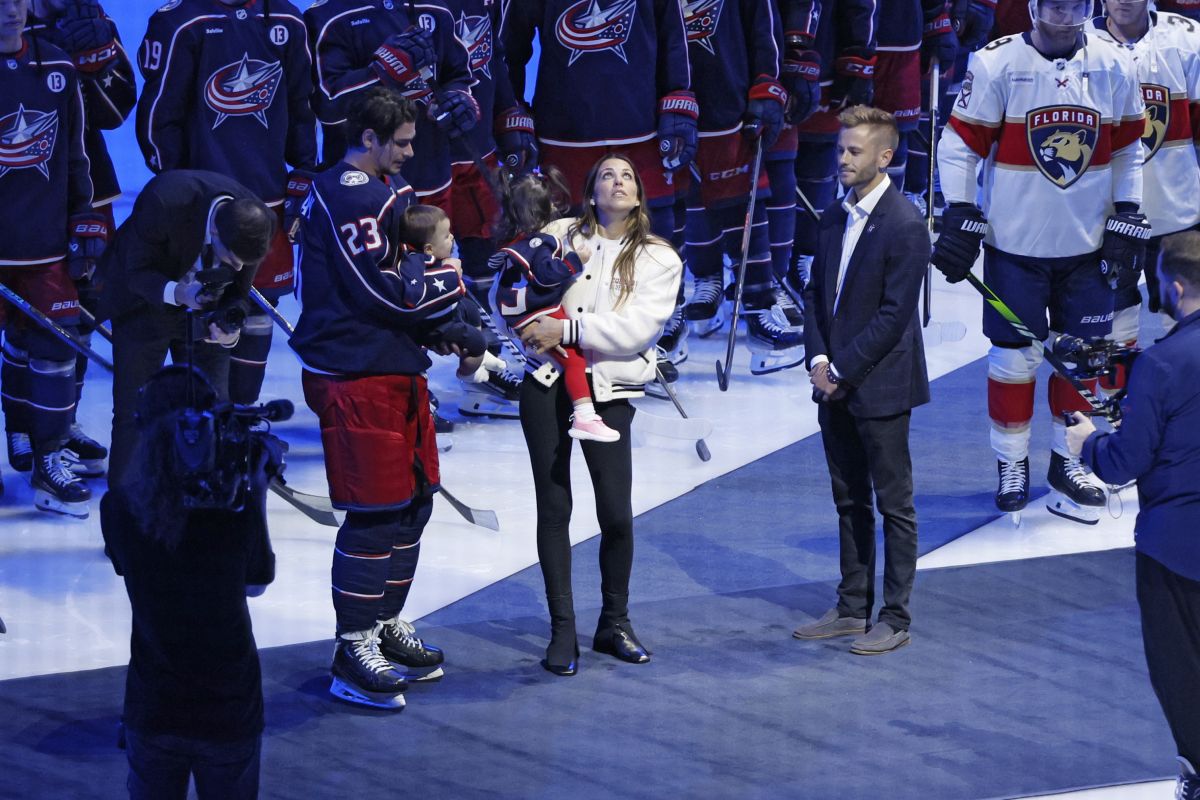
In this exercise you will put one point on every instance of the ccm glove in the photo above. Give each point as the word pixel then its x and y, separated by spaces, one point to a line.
pixel 513 129
pixel 298 184
pixel 854 79
pixel 455 112
pixel 764 111
pixel 1124 246
pixel 939 41
pixel 83 32
pixel 402 56
pixel 801 76
pixel 973 21
pixel 963 229
pixel 677 115
pixel 87 238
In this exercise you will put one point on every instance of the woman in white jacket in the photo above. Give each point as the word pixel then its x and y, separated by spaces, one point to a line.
pixel 617 309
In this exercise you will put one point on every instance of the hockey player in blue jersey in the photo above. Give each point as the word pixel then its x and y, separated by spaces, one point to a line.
pixel 82 30
pixel 364 378
pixel 228 87
pixel 55 235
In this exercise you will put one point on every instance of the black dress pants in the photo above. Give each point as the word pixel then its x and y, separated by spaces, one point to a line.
pixel 869 464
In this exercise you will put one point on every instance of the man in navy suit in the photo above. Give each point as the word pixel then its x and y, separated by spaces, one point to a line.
pixel 867 367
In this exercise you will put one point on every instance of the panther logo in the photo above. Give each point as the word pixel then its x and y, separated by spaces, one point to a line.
pixel 1062 140
pixel 1158 117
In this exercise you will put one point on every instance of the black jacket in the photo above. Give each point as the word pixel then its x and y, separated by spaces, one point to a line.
pixel 874 338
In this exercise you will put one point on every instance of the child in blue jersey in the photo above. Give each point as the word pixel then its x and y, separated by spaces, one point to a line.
pixel 535 269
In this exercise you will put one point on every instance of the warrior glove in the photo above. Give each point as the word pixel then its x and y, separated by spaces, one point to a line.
pixel 854 79
pixel 299 181
pixel 88 236
pixel 801 76
pixel 764 110
pixel 973 21
pixel 402 56
pixel 677 115
pixel 513 129
pixel 1124 246
pixel 455 112
pixel 963 229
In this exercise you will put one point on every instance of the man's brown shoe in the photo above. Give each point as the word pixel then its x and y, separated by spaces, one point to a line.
pixel 883 638
pixel 831 625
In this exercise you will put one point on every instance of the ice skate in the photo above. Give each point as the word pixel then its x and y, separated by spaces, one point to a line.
pixel 495 398
pixel 84 455
pixel 57 489
pixel 591 429
pixel 1075 495
pixel 1012 495
pixel 674 338
pixel 20 452
pixel 704 309
pixel 362 675
pixel 398 643
pixel 787 311
pixel 772 346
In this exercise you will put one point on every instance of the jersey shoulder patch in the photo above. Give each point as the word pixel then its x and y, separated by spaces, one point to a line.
pixel 354 178
pixel 170 5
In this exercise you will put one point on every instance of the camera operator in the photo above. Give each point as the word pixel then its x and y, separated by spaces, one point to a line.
pixel 184 224
pixel 191 551
pixel 1158 445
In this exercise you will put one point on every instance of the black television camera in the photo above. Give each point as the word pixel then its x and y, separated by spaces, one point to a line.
pixel 229 317
pixel 1096 358
pixel 217 450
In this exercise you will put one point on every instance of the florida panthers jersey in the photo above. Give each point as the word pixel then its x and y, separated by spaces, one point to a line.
pixel 345 35
pixel 356 297
pixel 43 167
pixel 603 65
pixel 1167 59
pixel 1060 138
pixel 109 94
pixel 730 44
pixel 227 90
pixel 1188 8
pixel 477 26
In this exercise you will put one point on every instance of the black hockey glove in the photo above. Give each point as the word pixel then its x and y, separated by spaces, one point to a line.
pixel 939 41
pixel 854 79
pixel 402 57
pixel 764 110
pixel 83 32
pixel 963 229
pixel 455 111
pixel 1124 246
pixel 88 236
pixel 513 129
pixel 677 115
pixel 973 21
pixel 299 181
pixel 801 76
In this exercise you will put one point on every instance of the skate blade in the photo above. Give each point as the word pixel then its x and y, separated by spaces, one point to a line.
pixel 433 676
pixel 764 362
pixel 1060 505
pixel 350 694
pixel 707 327
pixel 43 501
pixel 678 355
pixel 489 408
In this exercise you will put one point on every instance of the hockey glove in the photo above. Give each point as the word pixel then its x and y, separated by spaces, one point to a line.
pixel 677 115
pixel 854 79
pixel 963 229
pixel 801 76
pixel 88 236
pixel 764 110
pixel 513 129
pixel 455 112
pixel 299 181
pixel 402 57
pixel 1124 246
pixel 939 41
pixel 973 21
pixel 84 33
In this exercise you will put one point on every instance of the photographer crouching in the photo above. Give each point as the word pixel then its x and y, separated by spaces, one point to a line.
pixel 1158 445
pixel 191 542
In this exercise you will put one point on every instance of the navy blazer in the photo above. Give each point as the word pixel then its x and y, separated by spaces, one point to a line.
pixel 874 337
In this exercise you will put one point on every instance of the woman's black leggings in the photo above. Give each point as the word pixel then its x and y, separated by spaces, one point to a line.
pixel 545 420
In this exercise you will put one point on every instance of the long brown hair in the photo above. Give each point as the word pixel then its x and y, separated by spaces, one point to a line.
pixel 530 202
pixel 637 224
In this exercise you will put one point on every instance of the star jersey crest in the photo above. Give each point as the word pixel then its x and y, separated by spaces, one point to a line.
pixel 587 27
pixel 700 18
pixel 1062 140
pixel 27 140
pixel 243 88
pixel 476 35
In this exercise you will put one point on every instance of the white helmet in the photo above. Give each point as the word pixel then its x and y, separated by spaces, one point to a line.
pixel 1081 12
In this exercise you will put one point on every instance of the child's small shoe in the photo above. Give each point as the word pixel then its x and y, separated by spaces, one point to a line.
pixel 591 429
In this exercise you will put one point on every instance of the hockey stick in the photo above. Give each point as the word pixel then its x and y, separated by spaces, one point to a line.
pixel 315 507
pixel 476 516
pixel 934 80
pixel 807 205
pixel 701 447
pixel 723 372
pixel 53 327
pixel 1098 405
pixel 99 327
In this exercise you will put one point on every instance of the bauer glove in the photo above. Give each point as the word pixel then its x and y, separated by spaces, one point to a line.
pixel 1124 246
pixel 939 41
pixel 299 181
pixel 513 129
pixel 801 76
pixel 963 229
pixel 455 112
pixel 764 110
pixel 87 238
pixel 854 79
pixel 677 115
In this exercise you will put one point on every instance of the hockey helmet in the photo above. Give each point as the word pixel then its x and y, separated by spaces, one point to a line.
pixel 1062 14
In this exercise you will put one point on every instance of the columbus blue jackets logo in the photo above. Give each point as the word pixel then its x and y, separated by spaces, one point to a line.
pixel 700 18
pixel 27 140
pixel 1062 140
pixel 243 88
pixel 1158 117
pixel 588 27
pixel 476 35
